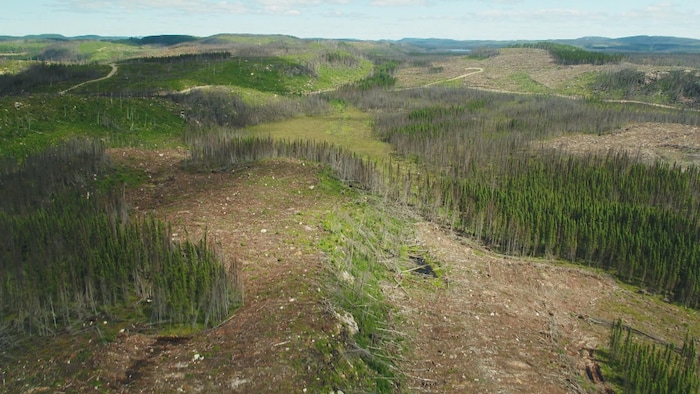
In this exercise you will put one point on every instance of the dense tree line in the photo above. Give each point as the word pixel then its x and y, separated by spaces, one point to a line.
pixel 184 58
pixel 638 221
pixel 44 75
pixel 675 86
pixel 648 368
pixel 72 253
pixel 476 166
pixel 569 55
pixel 165 40
pixel 70 165
pixel 382 77
pixel 220 107
pixel 473 164
pixel 223 149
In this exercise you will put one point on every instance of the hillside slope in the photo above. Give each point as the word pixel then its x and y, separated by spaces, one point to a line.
pixel 335 300
pixel 489 323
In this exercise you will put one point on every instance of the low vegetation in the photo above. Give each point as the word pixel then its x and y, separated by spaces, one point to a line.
pixel 48 77
pixel 668 87
pixel 31 123
pixel 643 367
pixel 638 221
pixel 72 254
pixel 365 246
pixel 569 55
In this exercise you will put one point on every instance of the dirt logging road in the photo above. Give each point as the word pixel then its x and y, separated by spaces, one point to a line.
pixel 475 70
pixel 112 72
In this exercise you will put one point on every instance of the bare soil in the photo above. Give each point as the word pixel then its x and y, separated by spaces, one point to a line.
pixel 498 71
pixel 672 143
pixel 506 71
pixel 500 324
pixel 488 324
pixel 265 215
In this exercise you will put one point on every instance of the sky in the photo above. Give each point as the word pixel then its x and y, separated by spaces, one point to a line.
pixel 359 19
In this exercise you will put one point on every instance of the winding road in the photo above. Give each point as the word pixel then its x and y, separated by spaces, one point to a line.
pixel 471 71
pixel 110 75
pixel 475 70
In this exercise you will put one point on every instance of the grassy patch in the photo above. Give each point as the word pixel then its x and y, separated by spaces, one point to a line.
pixel 31 123
pixel 346 126
pixel 526 84
pixel 364 242
pixel 122 175
pixel 331 76
pixel 580 85
pixel 106 52
pixel 23 49
pixel 275 75
pixel 12 66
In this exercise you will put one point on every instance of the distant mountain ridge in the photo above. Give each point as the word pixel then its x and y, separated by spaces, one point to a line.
pixel 60 37
pixel 661 44
pixel 647 44
pixel 642 43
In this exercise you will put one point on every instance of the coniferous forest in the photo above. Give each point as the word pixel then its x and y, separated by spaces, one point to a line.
pixel 485 175
pixel 653 368
pixel 70 253
pixel 476 167
pixel 472 160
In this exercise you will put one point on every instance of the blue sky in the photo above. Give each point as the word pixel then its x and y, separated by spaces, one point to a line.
pixel 361 19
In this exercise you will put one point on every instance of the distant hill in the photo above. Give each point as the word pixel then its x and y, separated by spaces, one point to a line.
pixel 59 37
pixel 653 44
pixel 164 40
pixel 450 45
pixel 633 44
pixel 646 44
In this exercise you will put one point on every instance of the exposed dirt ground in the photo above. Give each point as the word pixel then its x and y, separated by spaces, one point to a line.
pixel 500 324
pixel 508 72
pixel 496 324
pixel 498 71
pixel 673 143
pixel 266 216
pixel 490 324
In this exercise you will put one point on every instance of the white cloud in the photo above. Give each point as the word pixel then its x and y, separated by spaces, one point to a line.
pixel 503 19
pixel 397 3
pixel 554 13
pixel 182 6
pixel 659 7
pixel 292 7
pixel 342 14
pixel 659 10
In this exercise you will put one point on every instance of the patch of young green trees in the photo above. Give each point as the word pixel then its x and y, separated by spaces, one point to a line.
pixel 673 87
pixel 382 76
pixel 476 167
pixel 48 77
pixel 647 368
pixel 569 55
pixel 69 252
